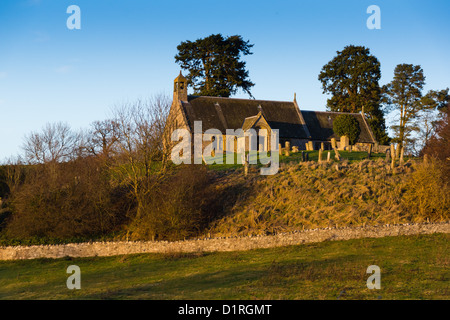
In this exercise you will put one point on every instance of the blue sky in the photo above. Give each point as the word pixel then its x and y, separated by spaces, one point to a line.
pixel 125 50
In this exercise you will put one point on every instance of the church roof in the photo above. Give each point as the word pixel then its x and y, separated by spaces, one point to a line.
pixel 320 125
pixel 231 113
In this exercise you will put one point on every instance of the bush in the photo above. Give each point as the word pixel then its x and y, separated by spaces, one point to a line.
pixel 427 193
pixel 347 125
pixel 66 200
pixel 181 206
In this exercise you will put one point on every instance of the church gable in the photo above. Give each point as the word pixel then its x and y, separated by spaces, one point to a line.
pixel 228 113
pixel 256 122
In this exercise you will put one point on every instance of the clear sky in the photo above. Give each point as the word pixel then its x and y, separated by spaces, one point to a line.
pixel 125 50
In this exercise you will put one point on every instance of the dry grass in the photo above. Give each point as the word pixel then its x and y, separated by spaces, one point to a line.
pixel 311 195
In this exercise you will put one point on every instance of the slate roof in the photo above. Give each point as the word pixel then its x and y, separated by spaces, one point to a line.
pixel 320 125
pixel 230 113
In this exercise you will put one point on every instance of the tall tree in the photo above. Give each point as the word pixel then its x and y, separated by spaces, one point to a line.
pixel 439 144
pixel 352 80
pixel 427 121
pixel 404 95
pixel 214 65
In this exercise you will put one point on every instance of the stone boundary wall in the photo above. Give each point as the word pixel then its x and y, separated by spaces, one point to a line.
pixel 217 244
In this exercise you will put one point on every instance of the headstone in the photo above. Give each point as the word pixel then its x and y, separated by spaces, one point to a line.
pixel 245 159
pixel 286 152
pixel 303 156
pixel 388 155
pixel 280 150
pixel 287 145
pixel 307 157
pixel 343 143
pixel 322 147
pixel 328 156
pixel 392 151
pixel 401 156
pixel 397 151
pixel 294 149
pixel 320 155
pixel 311 145
pixel 333 143
pixel 369 152
pixel 337 156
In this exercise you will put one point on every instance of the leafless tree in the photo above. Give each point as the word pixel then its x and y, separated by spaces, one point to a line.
pixel 142 159
pixel 55 143
pixel 102 138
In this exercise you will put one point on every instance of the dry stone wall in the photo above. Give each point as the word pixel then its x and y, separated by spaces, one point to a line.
pixel 217 244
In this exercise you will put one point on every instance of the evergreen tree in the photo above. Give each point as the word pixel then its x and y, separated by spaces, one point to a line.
pixel 352 79
pixel 214 66
pixel 404 95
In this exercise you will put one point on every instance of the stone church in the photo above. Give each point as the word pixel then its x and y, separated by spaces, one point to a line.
pixel 307 130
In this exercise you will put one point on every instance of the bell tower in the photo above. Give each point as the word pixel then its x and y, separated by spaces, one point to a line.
pixel 180 88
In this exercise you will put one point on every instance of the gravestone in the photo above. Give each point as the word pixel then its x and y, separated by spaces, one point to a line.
pixel 343 143
pixel 245 160
pixel 287 145
pixel 333 143
pixel 401 156
pixel 337 156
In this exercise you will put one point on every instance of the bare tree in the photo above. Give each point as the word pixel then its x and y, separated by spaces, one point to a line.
pixel 141 160
pixel 55 143
pixel 102 138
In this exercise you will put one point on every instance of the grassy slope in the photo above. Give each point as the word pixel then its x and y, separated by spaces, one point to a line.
pixel 310 195
pixel 412 267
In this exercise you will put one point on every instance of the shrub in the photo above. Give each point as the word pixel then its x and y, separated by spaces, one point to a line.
pixel 427 193
pixel 181 206
pixel 65 200
pixel 347 125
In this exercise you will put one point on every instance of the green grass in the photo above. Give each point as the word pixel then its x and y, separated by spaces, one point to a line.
pixel 412 267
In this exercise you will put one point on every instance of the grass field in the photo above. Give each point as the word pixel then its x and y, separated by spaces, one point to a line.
pixel 412 267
